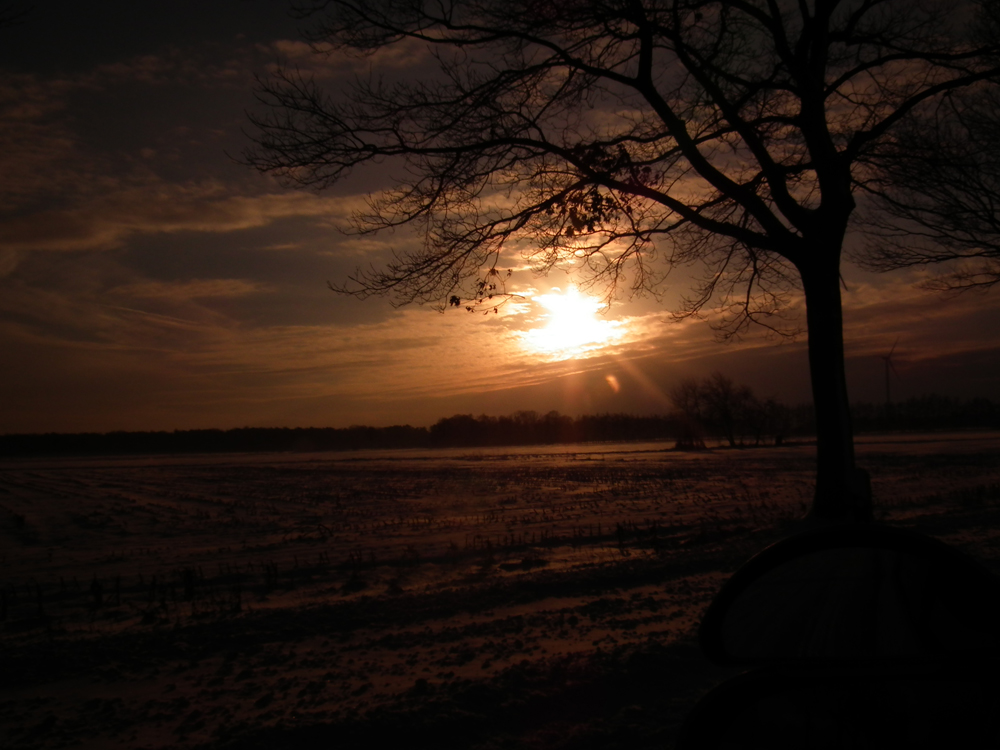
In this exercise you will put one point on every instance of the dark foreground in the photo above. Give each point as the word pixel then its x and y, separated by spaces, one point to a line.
pixel 493 599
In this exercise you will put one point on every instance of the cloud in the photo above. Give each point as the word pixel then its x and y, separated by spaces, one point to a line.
pixel 58 193
pixel 45 161
pixel 324 62
pixel 205 64
pixel 98 322
pixel 925 324
pixel 105 222
pixel 9 260
pixel 51 126
pixel 39 155
pixel 191 290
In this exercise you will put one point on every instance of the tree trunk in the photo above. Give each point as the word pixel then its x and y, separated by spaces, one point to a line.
pixel 843 492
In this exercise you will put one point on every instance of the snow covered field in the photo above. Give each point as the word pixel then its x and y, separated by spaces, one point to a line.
pixel 530 597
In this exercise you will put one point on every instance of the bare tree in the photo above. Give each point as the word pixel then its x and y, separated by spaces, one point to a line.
pixel 731 410
pixel 686 397
pixel 727 405
pixel 624 137
pixel 939 202
pixel 688 413
pixel 937 199
pixel 768 418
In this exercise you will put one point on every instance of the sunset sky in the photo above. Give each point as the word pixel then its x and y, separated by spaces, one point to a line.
pixel 150 281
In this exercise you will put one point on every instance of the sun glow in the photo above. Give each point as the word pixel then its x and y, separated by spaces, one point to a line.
pixel 571 328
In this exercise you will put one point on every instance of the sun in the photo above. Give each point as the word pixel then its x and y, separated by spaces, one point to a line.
pixel 571 326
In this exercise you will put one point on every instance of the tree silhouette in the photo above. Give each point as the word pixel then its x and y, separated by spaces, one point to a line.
pixel 940 201
pixel 622 138
pixel 730 409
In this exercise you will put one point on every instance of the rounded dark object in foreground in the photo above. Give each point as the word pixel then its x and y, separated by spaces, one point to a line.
pixel 817 709
pixel 860 594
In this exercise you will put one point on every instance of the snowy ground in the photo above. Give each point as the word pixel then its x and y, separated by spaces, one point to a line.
pixel 534 597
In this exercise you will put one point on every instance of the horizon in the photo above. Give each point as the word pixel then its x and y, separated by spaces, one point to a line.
pixel 882 411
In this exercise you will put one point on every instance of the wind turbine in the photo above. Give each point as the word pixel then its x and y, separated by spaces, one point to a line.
pixel 887 358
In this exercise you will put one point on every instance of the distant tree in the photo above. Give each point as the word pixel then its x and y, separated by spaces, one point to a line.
pixel 688 413
pixel 727 405
pixel 773 419
pixel 525 418
pixel 686 397
pixel 624 137
pixel 731 410
pixel 461 429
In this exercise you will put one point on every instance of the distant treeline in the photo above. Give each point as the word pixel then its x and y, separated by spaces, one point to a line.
pixel 926 413
pixel 931 412
pixel 531 428
pixel 521 428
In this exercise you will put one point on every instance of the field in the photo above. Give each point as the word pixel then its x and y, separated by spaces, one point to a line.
pixel 538 597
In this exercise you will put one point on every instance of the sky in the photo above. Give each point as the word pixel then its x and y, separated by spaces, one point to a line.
pixel 150 281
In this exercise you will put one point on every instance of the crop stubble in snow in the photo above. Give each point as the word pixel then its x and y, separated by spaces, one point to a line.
pixel 506 598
